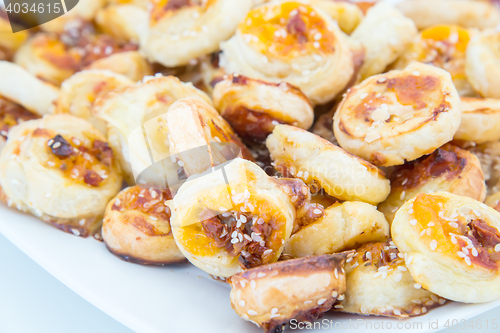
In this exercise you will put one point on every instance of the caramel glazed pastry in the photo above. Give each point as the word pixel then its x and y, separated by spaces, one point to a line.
pixel 60 169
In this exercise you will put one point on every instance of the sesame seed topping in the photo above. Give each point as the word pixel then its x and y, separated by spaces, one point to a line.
pixel 497 247
pixel 274 310
pixel 341 297
pixel 402 268
pixel 321 301
pixel 417 286
pixel 413 222
pixel 338 307
pixel 242 303
pixel 261 275
pixel 334 294
pixel 433 245
pixel 397 312
pixel 252 284
pixel 307 302
pixel 468 261
pixel 252 312
pixel 76 232
pixel 317 211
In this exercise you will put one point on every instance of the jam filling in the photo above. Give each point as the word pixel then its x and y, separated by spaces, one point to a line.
pixel 447 160
pixel 245 235
pixel 89 165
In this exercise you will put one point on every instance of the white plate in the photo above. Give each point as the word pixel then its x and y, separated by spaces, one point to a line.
pixel 168 299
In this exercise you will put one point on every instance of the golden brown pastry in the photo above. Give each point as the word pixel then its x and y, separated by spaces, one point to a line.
pixel 60 169
pixel 255 107
pixel 289 41
pixel 449 168
pixel 301 154
pixel 467 13
pixel 343 226
pixel 378 283
pixel 232 218
pixel 483 63
pixel 399 116
pixel 79 92
pixel 136 227
pixel 182 30
pixel 451 245
pixel 298 290
pixel 480 120
pixel 385 34
pixel 128 63
pixel 443 46
pixel 55 57
pixel 124 22
pixel 199 138
pixel 19 86
pixel 127 110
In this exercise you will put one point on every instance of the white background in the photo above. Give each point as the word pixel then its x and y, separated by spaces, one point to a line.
pixel 33 301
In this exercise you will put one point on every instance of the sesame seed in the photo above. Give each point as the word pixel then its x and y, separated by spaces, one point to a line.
pixel 468 261
pixel 433 245
pixel 453 225
pixel 397 312
pixel 234 240
pixel 321 301
pixel 261 275
pixel 56 145
pixel 243 284
pixel 316 45
pixel 402 268
pixel 334 294
pixel 382 80
pixel 417 286
pixel 398 277
pixel 76 232
pixel 368 255
pixel 252 284
pixel 442 301
pixel 307 302
pixel 338 307
pixel 154 218
pixel 267 252
pixel 242 303
pixel 497 247
pixel 413 222
pixel 341 297
pixel 275 315
pixel 430 224
pixel 252 312
pixel 274 310
pixel 336 273
pixel 317 211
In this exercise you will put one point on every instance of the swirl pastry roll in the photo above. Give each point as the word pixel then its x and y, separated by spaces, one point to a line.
pixel 55 57
pixel 19 86
pixel 385 34
pixel 494 201
pixel 319 163
pixel 255 107
pixel 127 110
pixel 79 92
pixel 489 156
pixel 289 41
pixel 182 30
pixel 467 13
pixel 449 169
pixel 378 283
pixel 124 22
pixel 231 219
pixel 128 63
pixel 60 169
pixel 443 46
pixel 302 289
pixel 343 226
pixel 136 227
pixel 480 120
pixel 483 63
pixel 399 116
pixel 451 245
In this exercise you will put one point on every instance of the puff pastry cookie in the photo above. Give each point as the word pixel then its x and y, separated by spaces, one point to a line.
pixel 60 169
pixel 199 138
pixel 128 63
pixel 136 227
pixel 449 169
pixel 480 120
pixel 255 107
pixel 451 245
pixel 125 22
pixel 348 15
pixel 378 283
pixel 232 218
pixel 292 42
pixel 127 110
pixel 343 226
pixel 467 13
pixel 482 63
pixel 182 30
pixel 19 86
pixel 79 92
pixel 399 116
pixel 385 33
pixel 301 154
pixel 301 289
pixel 55 57
pixel 443 46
